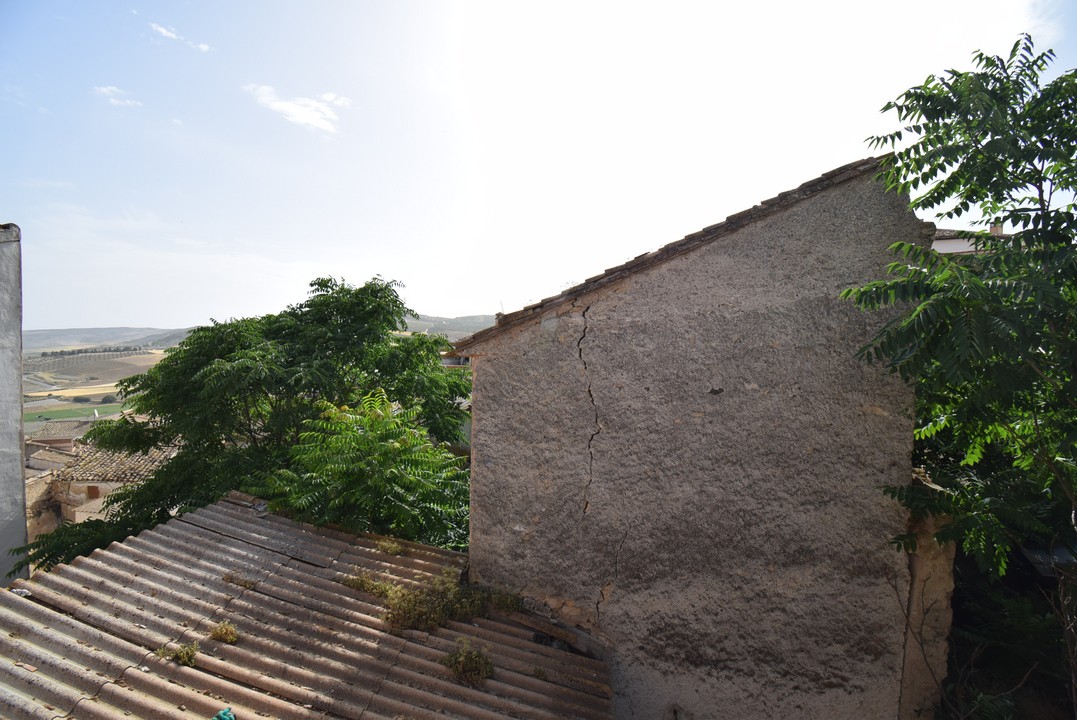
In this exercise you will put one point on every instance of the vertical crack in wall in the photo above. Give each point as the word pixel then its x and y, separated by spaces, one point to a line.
pixel 607 588
pixel 594 406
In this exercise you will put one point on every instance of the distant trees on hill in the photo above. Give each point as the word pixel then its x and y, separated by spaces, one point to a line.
pixel 88 351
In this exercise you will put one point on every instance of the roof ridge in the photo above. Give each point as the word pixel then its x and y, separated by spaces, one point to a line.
pixel 676 248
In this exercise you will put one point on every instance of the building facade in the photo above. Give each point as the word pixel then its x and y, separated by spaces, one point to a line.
pixel 684 456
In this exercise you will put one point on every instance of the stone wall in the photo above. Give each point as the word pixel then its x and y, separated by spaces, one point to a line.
pixel 689 462
pixel 42 510
pixel 12 492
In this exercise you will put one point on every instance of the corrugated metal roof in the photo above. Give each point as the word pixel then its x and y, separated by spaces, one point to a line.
pixel 82 645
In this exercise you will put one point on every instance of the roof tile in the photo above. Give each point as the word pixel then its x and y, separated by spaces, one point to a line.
pixel 95 464
pixel 62 429
pixel 309 646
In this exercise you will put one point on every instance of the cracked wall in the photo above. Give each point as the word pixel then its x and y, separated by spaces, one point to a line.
pixel 594 405
pixel 688 462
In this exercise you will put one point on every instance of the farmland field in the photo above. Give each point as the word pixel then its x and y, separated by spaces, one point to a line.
pixel 50 385
pixel 70 412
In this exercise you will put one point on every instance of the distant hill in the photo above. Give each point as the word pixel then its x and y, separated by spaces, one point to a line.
pixel 38 341
pixel 35 342
pixel 452 328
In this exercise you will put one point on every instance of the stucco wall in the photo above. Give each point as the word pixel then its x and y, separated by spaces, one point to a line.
pixel 12 492
pixel 689 462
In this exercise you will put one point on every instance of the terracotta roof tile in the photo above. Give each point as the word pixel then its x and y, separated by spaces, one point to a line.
pixel 94 464
pixel 62 429
pixel 82 645
pixel 53 455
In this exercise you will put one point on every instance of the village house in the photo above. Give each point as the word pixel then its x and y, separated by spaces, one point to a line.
pixel 683 456
pixel 679 463
pixel 59 434
pixel 76 490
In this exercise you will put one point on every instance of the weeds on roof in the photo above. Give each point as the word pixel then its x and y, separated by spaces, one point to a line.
pixel 365 582
pixel 225 632
pixel 390 547
pixel 505 602
pixel 470 665
pixel 538 673
pixel 434 605
pixel 184 654
pixel 243 582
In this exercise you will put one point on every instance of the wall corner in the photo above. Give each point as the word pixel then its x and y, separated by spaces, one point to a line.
pixel 13 494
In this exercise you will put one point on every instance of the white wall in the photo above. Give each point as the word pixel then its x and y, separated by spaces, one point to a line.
pixel 12 487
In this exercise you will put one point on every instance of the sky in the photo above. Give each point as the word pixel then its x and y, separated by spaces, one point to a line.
pixel 170 163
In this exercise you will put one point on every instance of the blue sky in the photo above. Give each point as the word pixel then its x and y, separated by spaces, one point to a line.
pixel 169 163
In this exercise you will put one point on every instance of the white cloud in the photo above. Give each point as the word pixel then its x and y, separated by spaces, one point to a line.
pixel 116 96
pixel 164 32
pixel 311 112
pixel 173 35
pixel 334 99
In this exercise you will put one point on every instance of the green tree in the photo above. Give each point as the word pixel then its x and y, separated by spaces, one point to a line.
pixel 235 398
pixel 989 338
pixel 373 467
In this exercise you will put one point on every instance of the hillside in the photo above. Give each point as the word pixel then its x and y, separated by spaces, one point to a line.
pixel 452 328
pixel 35 342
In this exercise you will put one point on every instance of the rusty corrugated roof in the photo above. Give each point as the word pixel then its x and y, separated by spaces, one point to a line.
pixel 94 464
pixel 82 644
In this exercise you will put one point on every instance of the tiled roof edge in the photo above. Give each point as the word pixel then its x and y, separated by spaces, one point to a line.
pixel 689 242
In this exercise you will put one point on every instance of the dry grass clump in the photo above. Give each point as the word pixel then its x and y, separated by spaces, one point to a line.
pixel 364 582
pixel 470 665
pixel 245 583
pixel 225 632
pixel 434 605
pixel 390 547
pixel 184 654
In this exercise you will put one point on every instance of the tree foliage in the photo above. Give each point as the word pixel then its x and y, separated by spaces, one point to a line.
pixel 241 399
pixel 990 338
pixel 373 467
